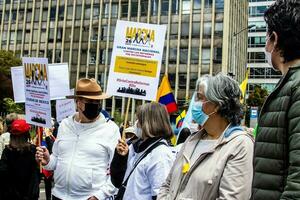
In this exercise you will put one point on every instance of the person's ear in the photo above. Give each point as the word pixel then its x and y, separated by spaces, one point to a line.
pixel 275 38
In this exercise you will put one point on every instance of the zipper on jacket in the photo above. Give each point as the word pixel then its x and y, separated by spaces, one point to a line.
pixel 70 165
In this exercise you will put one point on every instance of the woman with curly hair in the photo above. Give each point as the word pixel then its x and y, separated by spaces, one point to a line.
pixel 215 162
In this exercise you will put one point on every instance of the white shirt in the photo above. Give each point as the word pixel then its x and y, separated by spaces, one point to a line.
pixel 4 140
pixel 81 157
pixel 151 172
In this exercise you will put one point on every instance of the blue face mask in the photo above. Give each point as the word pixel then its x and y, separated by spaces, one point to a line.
pixel 198 115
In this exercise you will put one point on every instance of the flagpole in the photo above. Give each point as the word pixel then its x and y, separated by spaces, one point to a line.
pixel 126 118
pixel 38 132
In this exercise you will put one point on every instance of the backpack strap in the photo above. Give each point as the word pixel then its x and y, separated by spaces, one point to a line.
pixel 153 146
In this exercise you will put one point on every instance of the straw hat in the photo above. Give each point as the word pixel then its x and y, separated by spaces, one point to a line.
pixel 89 89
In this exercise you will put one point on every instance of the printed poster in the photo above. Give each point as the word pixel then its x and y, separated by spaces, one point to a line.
pixel 136 60
pixel 37 92
pixel 58 79
pixel 65 108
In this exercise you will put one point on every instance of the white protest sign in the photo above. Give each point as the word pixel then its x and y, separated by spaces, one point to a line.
pixel 65 108
pixel 37 91
pixel 136 60
pixel 58 78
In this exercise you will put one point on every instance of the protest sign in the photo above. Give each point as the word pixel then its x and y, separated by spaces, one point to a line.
pixel 65 108
pixel 58 79
pixel 37 91
pixel 136 60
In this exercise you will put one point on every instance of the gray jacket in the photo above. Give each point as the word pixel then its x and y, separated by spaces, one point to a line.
pixel 225 172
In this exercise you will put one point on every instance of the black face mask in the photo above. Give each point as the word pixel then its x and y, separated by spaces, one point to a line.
pixel 91 110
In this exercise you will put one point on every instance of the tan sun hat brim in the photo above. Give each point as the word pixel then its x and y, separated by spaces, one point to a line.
pixel 97 97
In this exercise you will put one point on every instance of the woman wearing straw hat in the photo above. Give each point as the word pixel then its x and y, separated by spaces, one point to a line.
pixel 83 149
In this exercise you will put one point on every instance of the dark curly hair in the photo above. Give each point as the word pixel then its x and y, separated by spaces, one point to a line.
pixel 283 17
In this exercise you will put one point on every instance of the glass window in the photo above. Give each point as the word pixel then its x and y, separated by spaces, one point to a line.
pixel 186 7
pixel 21 14
pixel 175 6
pixel 12 37
pixel 124 9
pixel 257 41
pixel 78 12
pixel 76 34
pixel 134 8
pixel 83 56
pixel 114 10
pixel 194 55
pixel 197 6
pixel 43 35
pixel 37 14
pixel 35 36
pixel 174 31
pixel 74 56
pixel 260 26
pixel 51 35
pixel 19 35
pixel 45 14
pixel 219 6
pixel 182 81
pixel 257 11
pixel 164 7
pixel 218 55
pixel 154 7
pixel 96 12
pixel 256 57
pixel 28 15
pixel 70 12
pixel 208 3
pixel 219 28
pixel 87 12
pixel 196 30
pixel 185 30
pixel 183 55
pixel 66 56
pixel 207 29
pixel 59 34
pixel 144 8
pixel 173 55
pixel 14 15
pixel 52 13
pixel 205 55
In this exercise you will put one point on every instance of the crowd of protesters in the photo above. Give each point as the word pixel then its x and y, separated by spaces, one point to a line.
pixel 90 158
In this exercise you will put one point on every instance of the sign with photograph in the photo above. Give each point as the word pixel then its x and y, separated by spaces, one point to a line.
pixel 37 92
pixel 136 60
pixel 58 79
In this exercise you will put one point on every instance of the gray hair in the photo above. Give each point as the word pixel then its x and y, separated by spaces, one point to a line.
pixel 225 92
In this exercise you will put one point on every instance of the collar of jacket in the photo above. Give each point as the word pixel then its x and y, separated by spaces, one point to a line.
pixel 140 145
pixel 71 124
pixel 226 136
pixel 279 85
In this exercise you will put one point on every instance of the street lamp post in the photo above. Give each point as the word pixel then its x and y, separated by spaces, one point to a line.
pixel 233 54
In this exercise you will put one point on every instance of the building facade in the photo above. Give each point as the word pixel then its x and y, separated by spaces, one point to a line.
pixel 260 71
pixel 200 36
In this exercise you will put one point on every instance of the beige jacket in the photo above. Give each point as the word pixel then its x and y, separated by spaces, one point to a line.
pixel 225 172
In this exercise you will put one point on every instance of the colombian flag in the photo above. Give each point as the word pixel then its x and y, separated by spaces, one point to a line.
pixel 180 118
pixel 165 95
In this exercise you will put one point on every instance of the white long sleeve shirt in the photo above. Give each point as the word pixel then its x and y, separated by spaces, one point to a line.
pixel 80 159
pixel 150 174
